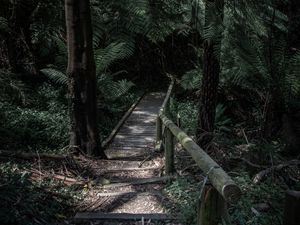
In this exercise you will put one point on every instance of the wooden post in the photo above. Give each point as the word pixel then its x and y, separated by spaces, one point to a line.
pixel 169 152
pixel 217 176
pixel 212 208
pixel 292 206
pixel 158 129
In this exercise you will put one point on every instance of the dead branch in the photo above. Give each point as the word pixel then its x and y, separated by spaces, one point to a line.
pixel 38 175
pixel 259 176
pixel 254 165
pixel 29 156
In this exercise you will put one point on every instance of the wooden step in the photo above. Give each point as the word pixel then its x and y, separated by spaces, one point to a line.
pixel 133 138
pixel 94 216
pixel 132 144
pixel 130 152
pixel 124 164
pixel 140 181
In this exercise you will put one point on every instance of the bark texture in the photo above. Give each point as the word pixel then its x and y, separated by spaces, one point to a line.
pixel 82 78
pixel 210 82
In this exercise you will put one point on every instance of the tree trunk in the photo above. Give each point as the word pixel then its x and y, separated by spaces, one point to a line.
pixel 18 40
pixel 291 209
pixel 210 82
pixel 82 78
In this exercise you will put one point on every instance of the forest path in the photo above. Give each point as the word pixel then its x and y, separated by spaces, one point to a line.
pixel 133 193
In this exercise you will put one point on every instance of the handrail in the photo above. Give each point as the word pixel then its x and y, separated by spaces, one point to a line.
pixel 168 95
pixel 213 207
pixel 217 176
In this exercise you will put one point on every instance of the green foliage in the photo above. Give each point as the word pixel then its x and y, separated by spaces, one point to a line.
pixel 191 80
pixel 253 194
pixel 23 201
pixel 185 194
pixel 33 128
pixel 188 114
pixel 188 111
pixel 222 121
pixel 55 76
pixel 111 53
pixel 3 24
pixel 12 89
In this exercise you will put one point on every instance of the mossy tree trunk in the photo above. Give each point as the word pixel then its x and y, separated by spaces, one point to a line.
pixel 82 78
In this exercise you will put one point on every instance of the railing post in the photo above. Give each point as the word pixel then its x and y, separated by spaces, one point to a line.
pixel 158 129
pixel 212 208
pixel 169 152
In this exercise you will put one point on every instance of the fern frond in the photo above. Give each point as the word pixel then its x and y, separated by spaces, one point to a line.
pixel 55 76
pixel 115 51
pixel 192 79
pixel 3 24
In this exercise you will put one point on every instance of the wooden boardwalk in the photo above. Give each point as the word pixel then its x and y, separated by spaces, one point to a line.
pixel 136 138
pixel 134 170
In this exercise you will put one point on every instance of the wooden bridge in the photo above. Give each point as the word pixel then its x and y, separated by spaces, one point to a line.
pixel 133 178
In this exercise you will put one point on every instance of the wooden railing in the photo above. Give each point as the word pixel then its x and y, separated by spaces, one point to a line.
pixel 215 195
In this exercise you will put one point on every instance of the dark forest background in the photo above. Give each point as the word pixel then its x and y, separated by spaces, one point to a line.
pixel 137 45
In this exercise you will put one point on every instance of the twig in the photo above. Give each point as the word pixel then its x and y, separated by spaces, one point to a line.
pixel 243 131
pixel 249 163
pixel 148 157
pixel 29 156
pixel 258 177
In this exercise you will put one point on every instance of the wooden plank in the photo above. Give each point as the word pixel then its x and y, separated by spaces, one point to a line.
pixel 139 127
pixel 124 154
pixel 138 133
pixel 120 123
pixel 124 193
pixel 132 145
pixel 134 138
pixel 127 148
pixel 87 216
pixel 129 169
pixel 140 181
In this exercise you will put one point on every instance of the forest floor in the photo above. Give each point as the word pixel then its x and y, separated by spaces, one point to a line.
pixel 41 190
pixel 37 188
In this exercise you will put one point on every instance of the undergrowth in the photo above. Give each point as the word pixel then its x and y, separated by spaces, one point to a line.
pixel 261 203
pixel 41 122
pixel 26 202
pixel 184 194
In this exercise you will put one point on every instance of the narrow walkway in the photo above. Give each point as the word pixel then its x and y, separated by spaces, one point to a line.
pixel 136 138
pixel 130 183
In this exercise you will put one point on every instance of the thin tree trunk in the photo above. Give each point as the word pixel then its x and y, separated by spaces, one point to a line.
pixel 82 78
pixel 210 82
pixel 18 40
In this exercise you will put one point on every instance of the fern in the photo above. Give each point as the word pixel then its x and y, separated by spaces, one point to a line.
pixel 113 52
pixel 56 76
pixel 3 24
pixel 11 87
pixel 112 90
pixel 192 79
